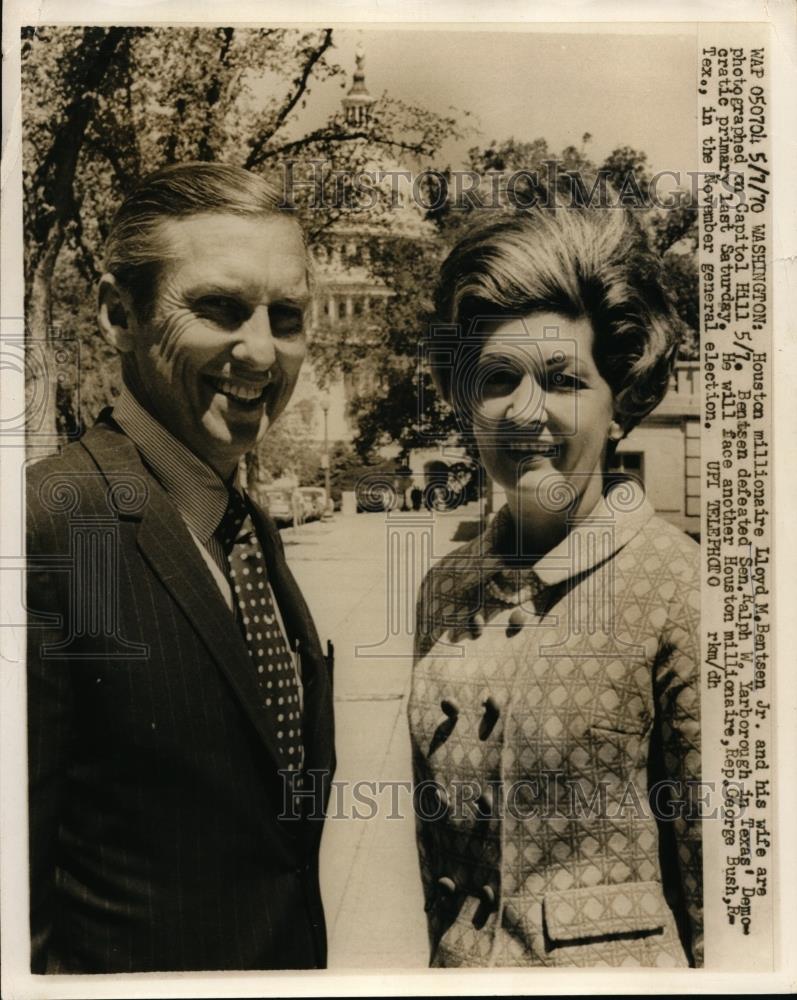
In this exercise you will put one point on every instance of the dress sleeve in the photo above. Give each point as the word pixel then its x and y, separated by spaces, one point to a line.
pixel 677 689
pixel 424 829
pixel 444 602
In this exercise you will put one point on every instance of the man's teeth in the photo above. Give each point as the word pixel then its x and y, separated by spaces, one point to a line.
pixel 246 393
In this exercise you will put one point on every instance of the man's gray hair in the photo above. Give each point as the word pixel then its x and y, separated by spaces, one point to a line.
pixel 135 249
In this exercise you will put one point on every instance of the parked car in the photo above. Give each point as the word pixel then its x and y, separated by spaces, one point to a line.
pixel 278 503
pixel 315 499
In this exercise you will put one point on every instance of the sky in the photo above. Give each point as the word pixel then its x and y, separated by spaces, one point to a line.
pixel 624 89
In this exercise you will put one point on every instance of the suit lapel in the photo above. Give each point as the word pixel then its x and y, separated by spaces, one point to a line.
pixel 172 554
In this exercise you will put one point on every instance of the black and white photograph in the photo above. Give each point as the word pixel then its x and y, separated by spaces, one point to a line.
pixel 388 465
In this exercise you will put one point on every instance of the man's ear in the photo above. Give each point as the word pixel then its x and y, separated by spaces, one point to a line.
pixel 616 432
pixel 115 314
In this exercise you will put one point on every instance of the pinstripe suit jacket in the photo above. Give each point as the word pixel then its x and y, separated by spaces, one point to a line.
pixel 156 841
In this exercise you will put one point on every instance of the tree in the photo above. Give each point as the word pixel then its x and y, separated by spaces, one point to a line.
pixel 290 448
pixel 103 106
pixel 627 171
pixel 529 164
pixel 396 403
pixel 56 126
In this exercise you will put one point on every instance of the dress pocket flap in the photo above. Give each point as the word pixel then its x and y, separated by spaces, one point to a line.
pixel 597 911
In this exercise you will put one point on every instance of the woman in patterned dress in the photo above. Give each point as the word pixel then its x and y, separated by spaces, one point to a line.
pixel 554 712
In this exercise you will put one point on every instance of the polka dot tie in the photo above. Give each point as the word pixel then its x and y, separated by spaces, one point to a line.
pixel 268 648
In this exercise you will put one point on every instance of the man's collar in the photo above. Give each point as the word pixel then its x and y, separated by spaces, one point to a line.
pixel 197 491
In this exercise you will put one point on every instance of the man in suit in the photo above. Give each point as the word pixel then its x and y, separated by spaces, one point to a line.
pixel 180 711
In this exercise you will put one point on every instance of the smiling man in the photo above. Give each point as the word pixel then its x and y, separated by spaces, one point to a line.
pixel 180 714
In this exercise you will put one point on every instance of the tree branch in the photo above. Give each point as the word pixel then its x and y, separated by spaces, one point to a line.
pixel 212 95
pixel 52 189
pixel 339 137
pixel 110 153
pixel 86 259
pixel 300 86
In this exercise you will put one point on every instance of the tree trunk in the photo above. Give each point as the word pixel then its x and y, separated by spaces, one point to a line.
pixel 48 211
pixel 41 354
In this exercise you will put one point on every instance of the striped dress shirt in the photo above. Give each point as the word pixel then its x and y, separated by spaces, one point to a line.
pixel 198 493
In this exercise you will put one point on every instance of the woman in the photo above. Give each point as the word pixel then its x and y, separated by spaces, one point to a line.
pixel 554 711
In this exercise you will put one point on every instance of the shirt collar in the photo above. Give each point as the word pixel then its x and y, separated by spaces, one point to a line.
pixel 617 517
pixel 199 494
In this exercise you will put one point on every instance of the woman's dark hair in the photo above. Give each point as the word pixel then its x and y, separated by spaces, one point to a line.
pixel 593 262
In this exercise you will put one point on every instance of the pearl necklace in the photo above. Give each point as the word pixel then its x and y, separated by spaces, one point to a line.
pixel 504 593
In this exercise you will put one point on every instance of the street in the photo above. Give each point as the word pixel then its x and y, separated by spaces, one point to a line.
pixel 359 574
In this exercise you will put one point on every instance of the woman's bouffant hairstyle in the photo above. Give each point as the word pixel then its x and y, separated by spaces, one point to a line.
pixel 135 250
pixel 592 262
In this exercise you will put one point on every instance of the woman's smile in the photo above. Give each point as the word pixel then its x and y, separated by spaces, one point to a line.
pixel 543 416
pixel 531 451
